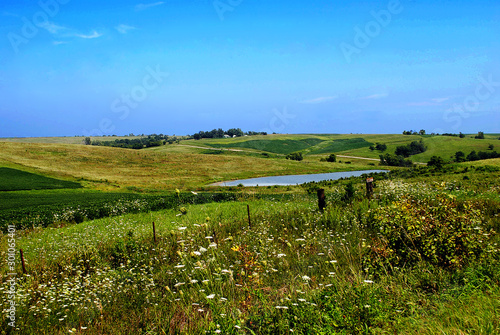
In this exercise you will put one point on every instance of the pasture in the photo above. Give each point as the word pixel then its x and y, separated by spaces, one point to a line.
pixel 419 257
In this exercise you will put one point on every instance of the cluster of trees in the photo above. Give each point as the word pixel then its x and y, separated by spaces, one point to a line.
pixel 413 132
pixel 415 147
pixel 480 135
pixel 378 146
pixel 402 152
pixel 136 143
pixel 219 133
pixel 296 156
pixel 332 159
pixel 475 156
pixel 454 135
pixel 395 160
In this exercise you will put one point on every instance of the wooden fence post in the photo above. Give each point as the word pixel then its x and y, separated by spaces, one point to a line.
pixel 321 199
pixel 154 232
pixel 248 212
pixel 369 187
pixel 22 261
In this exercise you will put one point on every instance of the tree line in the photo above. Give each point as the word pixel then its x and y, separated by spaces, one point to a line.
pixel 220 133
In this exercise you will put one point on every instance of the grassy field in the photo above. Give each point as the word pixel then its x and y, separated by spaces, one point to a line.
pixel 15 180
pixel 161 169
pixel 420 257
pixel 292 269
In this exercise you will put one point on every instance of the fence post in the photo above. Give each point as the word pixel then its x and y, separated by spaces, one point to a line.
pixel 321 199
pixel 248 212
pixel 22 261
pixel 369 187
pixel 154 232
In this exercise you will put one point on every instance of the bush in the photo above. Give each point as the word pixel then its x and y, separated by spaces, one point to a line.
pixel 296 156
pixel 441 231
pixel 332 158
pixel 436 161
pixel 394 160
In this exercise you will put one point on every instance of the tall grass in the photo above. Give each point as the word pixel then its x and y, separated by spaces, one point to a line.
pixel 291 269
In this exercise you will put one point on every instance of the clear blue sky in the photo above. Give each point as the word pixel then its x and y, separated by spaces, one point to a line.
pixel 90 67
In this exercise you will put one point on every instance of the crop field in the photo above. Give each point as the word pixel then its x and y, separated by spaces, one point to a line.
pixel 143 245
pixel 15 180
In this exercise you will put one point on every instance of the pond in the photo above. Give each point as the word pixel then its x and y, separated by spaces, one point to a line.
pixel 295 179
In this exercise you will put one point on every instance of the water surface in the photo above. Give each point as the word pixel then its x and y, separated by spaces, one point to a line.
pixel 296 179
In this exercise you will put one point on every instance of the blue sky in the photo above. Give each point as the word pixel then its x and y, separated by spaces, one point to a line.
pixel 70 67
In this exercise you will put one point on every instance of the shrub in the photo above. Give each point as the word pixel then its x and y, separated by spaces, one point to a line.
pixel 436 161
pixel 332 158
pixel 441 231
pixel 296 156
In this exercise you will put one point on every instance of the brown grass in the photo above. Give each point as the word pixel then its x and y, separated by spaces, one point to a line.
pixel 114 168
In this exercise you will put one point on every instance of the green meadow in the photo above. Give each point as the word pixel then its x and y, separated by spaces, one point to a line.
pixel 137 242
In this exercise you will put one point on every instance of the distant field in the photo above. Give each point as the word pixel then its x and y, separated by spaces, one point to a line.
pixel 195 164
pixel 108 168
pixel 14 180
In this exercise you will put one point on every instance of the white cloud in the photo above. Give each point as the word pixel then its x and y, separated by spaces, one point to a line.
pixel 143 6
pixel 376 96
pixel 52 27
pixel 440 100
pixel 123 28
pixel 318 100
pixel 94 34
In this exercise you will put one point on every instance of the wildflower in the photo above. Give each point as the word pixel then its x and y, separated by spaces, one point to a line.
pixel 213 245
pixel 306 278
pixel 182 228
pixel 194 193
pixel 369 281
pixel 211 296
pixel 281 307
pixel 236 248
pixel 281 255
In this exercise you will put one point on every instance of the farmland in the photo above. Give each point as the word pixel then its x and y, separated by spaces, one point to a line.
pixel 418 257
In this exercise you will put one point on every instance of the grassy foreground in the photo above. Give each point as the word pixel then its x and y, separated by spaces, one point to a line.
pixel 421 257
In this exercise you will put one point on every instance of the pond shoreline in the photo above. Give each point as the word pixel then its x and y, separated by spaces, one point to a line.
pixel 290 180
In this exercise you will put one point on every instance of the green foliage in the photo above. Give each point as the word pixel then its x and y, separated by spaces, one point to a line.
pixel 480 135
pixel 440 230
pixel 296 156
pixel 460 157
pixel 137 143
pixel 349 192
pixel 395 160
pixel 436 162
pixel 414 148
pixel 332 158
pixel 15 180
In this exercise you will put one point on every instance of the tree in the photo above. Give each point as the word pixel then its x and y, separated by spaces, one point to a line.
pixel 421 132
pixel 491 146
pixel 332 158
pixel 381 147
pixel 296 156
pixel 480 135
pixel 461 135
pixel 436 161
pixel 473 156
pixel 460 157
pixel 88 141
